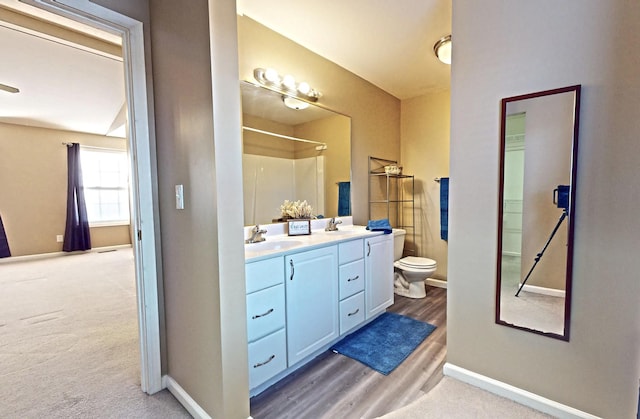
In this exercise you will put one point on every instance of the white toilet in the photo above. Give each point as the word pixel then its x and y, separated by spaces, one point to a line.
pixel 411 271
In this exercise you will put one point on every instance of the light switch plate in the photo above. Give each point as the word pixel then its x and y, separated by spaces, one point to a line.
pixel 179 197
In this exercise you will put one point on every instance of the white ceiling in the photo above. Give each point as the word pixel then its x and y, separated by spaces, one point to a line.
pixel 61 86
pixel 389 43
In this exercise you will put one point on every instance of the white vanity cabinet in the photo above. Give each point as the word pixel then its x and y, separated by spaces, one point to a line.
pixel 311 282
pixel 351 289
pixel 302 300
pixel 266 331
pixel 378 262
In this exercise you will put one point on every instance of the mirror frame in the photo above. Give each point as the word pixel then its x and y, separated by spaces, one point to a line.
pixel 572 208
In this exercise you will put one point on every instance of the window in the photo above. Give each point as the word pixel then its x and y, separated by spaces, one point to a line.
pixel 106 185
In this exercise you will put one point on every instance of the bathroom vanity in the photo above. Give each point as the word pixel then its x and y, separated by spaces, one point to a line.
pixel 306 293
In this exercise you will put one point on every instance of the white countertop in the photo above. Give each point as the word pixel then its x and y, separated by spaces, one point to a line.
pixel 278 243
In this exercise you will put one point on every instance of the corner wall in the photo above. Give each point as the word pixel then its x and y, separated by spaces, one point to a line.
pixel 507 48
pixel 424 153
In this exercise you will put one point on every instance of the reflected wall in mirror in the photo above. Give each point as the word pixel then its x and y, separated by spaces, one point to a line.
pixel 293 155
pixel 539 146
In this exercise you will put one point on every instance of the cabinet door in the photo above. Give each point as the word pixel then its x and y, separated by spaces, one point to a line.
pixel 378 254
pixel 312 301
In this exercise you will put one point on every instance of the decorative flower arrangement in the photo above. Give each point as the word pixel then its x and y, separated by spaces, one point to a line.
pixel 296 209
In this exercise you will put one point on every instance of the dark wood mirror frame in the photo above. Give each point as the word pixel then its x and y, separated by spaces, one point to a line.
pixel 570 212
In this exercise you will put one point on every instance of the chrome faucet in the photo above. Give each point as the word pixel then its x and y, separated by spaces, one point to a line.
pixel 256 235
pixel 332 225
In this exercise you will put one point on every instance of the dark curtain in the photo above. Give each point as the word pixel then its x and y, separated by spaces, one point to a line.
pixel 76 233
pixel 4 244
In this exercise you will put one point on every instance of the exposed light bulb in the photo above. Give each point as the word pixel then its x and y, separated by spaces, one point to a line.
pixel 289 82
pixel 304 88
pixel 271 75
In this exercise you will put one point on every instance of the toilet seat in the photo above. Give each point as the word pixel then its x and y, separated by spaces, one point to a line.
pixel 413 262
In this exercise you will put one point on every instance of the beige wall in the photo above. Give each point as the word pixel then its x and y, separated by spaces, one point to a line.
pixel 425 154
pixel 375 115
pixel 597 371
pixel 335 131
pixel 199 146
pixel 33 204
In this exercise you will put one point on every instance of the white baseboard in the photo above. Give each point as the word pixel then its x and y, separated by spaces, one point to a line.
pixel 26 258
pixel 184 398
pixel 544 291
pixel 514 393
pixel 436 283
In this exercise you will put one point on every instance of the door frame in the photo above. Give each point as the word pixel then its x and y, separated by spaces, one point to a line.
pixel 144 203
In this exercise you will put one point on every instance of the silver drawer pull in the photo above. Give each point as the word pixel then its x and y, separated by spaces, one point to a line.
pixel 353 279
pixel 257 316
pixel 259 364
pixel 354 313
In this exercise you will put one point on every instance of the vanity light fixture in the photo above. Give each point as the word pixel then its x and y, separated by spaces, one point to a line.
pixel 301 91
pixel 442 49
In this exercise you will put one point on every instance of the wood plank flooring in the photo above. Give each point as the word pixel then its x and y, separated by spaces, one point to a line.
pixel 335 386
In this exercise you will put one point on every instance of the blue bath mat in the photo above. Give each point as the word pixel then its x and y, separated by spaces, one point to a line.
pixel 385 342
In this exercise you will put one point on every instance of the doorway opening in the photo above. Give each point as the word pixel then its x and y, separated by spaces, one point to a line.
pixel 144 216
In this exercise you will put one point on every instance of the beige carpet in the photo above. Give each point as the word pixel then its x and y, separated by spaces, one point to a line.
pixel 69 340
pixel 454 399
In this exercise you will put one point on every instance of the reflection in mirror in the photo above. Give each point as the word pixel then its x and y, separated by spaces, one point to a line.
pixel 290 154
pixel 539 145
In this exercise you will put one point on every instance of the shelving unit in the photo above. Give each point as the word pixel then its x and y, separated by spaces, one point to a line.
pixel 392 196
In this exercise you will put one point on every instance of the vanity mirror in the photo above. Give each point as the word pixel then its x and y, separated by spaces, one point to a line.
pixel 293 154
pixel 538 154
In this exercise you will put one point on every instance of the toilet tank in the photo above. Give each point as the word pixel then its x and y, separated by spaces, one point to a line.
pixel 398 243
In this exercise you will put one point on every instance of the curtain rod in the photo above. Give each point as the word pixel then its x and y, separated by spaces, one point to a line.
pixel 321 146
pixel 96 148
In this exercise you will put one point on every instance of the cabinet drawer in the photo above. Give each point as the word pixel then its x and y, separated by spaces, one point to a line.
pixel 264 274
pixel 351 312
pixel 267 357
pixel 350 251
pixel 265 312
pixel 351 278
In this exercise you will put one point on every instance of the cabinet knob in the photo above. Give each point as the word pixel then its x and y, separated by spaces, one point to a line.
pixel 353 279
pixel 293 270
pixel 368 248
pixel 354 313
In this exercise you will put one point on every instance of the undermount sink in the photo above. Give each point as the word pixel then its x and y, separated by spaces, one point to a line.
pixel 272 245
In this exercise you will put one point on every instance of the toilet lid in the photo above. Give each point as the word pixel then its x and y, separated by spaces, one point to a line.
pixel 417 262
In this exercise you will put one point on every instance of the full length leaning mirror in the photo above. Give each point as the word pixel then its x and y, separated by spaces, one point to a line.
pixel 293 154
pixel 539 148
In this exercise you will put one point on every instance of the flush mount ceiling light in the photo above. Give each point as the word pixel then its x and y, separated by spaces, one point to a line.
pixel 286 84
pixel 293 103
pixel 9 89
pixel 442 48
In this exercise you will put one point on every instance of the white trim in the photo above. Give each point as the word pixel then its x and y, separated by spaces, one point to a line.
pixel 26 258
pixel 544 291
pixel 144 208
pixel 514 393
pixel 436 283
pixel 184 398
